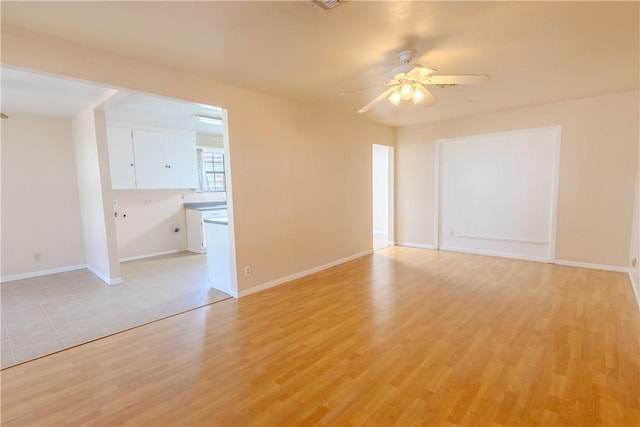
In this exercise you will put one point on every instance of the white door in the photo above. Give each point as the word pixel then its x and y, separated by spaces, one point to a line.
pixel 382 178
pixel 497 193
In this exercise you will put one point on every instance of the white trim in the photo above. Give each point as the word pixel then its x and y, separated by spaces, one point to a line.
pixel 634 286
pixel 281 280
pixel 503 239
pixel 591 266
pixel 104 278
pixel 554 192
pixel 133 258
pixel 233 262
pixel 392 196
pixel 436 197
pixel 416 245
pixel 42 273
pixel 495 254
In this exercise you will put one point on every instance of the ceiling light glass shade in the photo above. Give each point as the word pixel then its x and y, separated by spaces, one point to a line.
pixel 395 97
pixel 406 90
pixel 418 94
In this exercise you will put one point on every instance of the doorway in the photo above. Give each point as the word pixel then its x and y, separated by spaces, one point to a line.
pixel 382 200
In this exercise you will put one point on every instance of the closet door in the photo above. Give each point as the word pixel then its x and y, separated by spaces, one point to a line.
pixel 498 192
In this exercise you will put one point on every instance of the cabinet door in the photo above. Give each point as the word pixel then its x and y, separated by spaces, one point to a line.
pixel 121 158
pixel 152 169
pixel 182 159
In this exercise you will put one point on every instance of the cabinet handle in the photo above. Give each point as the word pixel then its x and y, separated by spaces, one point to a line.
pixel 167 166
pixel 131 164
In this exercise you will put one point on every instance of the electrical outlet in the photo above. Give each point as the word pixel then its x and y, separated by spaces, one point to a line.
pixel 452 232
pixel 37 256
pixel 634 262
pixel 247 270
pixel 175 229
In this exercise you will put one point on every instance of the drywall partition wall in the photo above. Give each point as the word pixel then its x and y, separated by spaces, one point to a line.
pixel 41 229
pixel 634 251
pixel 302 186
pixel 497 193
pixel 94 187
pixel 599 152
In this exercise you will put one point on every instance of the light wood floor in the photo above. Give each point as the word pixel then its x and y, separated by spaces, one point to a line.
pixel 404 337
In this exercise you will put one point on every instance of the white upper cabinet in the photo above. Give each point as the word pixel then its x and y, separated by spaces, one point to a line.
pixel 182 159
pixel 150 148
pixel 123 172
pixel 162 160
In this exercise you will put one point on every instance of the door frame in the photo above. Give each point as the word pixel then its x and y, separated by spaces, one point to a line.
pixel 557 140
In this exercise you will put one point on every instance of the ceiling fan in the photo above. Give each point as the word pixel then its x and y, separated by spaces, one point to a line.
pixel 409 82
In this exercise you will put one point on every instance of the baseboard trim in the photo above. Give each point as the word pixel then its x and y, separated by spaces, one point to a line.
pixel 133 258
pixel 106 279
pixel 591 266
pixel 42 273
pixel 416 245
pixel 494 254
pixel 281 280
pixel 634 286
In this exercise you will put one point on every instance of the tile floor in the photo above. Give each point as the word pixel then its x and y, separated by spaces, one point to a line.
pixel 50 313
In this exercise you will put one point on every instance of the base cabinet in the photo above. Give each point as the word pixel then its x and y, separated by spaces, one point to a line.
pixel 196 232
pixel 219 257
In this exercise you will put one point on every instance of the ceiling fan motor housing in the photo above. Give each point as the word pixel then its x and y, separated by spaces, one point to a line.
pixel 406 56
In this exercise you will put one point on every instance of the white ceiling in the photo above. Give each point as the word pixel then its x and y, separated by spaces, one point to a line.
pixel 54 97
pixel 535 52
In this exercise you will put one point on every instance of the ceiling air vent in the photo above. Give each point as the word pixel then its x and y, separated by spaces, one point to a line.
pixel 326 4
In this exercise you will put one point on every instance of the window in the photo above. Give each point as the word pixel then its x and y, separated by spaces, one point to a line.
pixel 211 170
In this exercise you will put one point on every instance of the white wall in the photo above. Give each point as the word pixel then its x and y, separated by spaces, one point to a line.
pixel 301 175
pixel 40 204
pixel 145 218
pixel 209 141
pixel 599 156
pixel 94 185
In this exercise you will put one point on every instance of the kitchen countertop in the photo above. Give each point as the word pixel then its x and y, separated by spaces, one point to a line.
pixel 218 221
pixel 205 206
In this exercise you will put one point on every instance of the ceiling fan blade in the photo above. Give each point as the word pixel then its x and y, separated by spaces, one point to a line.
pixel 460 79
pixel 377 99
pixel 421 72
pixel 348 92
pixel 428 99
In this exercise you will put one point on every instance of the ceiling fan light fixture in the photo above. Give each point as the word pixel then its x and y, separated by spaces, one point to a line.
pixel 395 98
pixel 418 94
pixel 406 91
